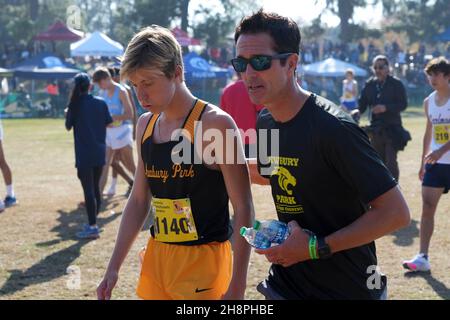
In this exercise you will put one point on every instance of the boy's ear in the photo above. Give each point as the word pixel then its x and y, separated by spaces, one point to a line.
pixel 179 72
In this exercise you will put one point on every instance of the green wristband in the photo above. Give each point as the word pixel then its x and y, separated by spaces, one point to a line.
pixel 312 247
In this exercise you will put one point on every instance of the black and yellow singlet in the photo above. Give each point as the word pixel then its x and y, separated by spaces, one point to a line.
pixel 190 200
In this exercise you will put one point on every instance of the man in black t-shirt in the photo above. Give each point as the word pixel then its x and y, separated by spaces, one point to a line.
pixel 327 181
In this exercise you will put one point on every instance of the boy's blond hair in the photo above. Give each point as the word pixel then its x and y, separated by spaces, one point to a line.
pixel 152 47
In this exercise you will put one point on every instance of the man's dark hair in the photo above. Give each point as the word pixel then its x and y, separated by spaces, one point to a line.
pixel 437 65
pixel 284 31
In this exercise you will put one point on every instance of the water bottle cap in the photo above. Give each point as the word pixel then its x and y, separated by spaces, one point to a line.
pixel 243 230
pixel 256 225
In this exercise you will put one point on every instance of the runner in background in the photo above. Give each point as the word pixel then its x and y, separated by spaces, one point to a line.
pixel 435 166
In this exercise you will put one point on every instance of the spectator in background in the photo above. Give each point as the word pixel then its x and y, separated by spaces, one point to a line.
pixel 53 91
pixel 385 96
pixel 236 102
pixel 89 117
pixel 349 91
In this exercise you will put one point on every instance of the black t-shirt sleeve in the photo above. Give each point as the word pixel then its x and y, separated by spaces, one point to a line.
pixel 348 150
pixel 264 143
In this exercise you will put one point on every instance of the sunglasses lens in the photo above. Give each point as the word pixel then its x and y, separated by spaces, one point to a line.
pixel 239 64
pixel 260 63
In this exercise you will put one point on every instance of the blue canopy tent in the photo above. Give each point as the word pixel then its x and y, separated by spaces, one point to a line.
pixel 443 36
pixel 96 44
pixel 44 66
pixel 332 68
pixel 57 73
pixel 325 76
pixel 196 68
pixel 199 75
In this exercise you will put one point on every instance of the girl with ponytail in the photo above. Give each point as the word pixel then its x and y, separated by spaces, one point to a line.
pixel 88 116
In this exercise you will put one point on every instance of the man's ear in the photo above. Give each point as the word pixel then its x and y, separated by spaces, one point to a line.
pixel 292 62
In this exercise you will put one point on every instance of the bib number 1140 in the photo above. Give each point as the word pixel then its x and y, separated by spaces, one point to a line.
pixel 176 226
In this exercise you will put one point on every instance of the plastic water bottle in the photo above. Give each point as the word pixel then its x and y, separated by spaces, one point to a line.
pixel 255 238
pixel 275 231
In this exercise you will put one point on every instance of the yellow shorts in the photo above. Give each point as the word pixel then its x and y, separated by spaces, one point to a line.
pixel 175 272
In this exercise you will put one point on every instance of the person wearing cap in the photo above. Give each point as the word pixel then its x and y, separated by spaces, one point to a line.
pixel 88 116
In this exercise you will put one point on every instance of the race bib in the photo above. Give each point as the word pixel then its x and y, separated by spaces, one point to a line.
pixel 442 133
pixel 348 95
pixel 174 221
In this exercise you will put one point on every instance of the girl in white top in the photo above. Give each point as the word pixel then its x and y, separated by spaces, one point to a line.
pixel 349 91
pixel 435 167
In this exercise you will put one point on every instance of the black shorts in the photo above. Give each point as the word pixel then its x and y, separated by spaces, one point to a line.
pixel 437 176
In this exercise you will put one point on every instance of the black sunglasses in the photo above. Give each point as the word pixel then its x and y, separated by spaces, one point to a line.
pixel 379 67
pixel 258 62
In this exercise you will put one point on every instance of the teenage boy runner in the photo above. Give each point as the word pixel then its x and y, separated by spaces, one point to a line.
pixel 119 137
pixel 117 169
pixel 435 166
pixel 325 176
pixel 189 254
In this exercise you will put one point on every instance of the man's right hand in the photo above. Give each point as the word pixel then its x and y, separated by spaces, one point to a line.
pixel 104 289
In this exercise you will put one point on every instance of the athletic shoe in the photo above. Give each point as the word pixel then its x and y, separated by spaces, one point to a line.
pixel 86 225
pixel 111 192
pixel 2 206
pixel 418 263
pixel 89 233
pixel 10 201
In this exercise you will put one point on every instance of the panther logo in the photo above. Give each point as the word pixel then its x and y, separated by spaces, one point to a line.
pixel 285 178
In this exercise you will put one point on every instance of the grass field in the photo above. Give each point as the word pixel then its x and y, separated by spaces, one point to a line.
pixel 37 243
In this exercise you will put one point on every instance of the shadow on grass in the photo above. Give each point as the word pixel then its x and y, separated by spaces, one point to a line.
pixel 438 287
pixel 405 237
pixel 55 265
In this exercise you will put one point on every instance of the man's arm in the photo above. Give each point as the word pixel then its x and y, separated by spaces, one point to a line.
pixel 387 213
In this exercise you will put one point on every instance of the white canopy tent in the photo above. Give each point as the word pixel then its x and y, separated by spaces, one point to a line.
pixel 96 44
pixel 331 68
